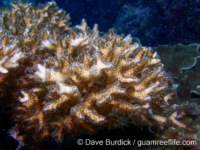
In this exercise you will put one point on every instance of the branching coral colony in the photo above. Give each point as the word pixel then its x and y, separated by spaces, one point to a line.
pixel 66 80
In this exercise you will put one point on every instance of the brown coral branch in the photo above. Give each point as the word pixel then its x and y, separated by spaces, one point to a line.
pixel 72 80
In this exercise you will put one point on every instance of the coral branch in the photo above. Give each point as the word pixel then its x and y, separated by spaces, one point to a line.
pixel 73 80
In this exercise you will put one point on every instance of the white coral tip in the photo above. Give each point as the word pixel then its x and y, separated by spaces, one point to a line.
pixel 25 98
pixel 3 70
pixel 42 72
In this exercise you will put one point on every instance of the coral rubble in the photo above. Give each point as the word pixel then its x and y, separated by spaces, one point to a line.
pixel 71 80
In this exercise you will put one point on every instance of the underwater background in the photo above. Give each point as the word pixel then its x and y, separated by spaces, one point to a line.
pixel 170 27
pixel 153 22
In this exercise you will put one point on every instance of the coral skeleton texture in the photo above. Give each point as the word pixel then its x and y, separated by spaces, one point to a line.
pixel 71 80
